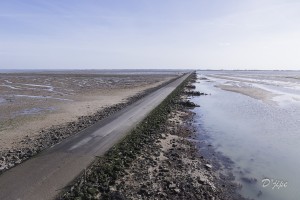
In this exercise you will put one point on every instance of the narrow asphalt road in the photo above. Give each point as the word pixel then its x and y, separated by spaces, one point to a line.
pixel 45 175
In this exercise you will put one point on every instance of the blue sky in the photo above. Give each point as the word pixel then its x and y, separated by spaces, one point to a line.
pixel 210 34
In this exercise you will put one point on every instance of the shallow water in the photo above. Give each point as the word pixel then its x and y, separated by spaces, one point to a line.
pixel 33 111
pixel 262 139
pixel 2 100
pixel 40 97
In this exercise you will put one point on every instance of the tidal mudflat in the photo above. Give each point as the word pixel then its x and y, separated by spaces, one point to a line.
pixel 31 103
pixel 253 118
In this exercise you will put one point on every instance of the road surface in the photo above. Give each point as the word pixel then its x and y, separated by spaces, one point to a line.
pixel 45 175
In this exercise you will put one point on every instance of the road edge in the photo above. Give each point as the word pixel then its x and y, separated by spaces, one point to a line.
pixel 121 154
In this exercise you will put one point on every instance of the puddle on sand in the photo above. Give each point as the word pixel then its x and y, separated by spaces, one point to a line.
pixel 262 140
pixel 2 101
pixel 40 97
pixel 33 111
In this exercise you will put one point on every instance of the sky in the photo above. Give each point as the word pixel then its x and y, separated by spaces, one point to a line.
pixel 150 34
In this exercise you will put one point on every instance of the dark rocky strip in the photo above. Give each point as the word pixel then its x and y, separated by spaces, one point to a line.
pixel 194 93
pixel 190 86
pixel 188 103
pixel 49 137
pixel 157 160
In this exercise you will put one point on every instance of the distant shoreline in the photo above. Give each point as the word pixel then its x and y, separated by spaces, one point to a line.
pixel 130 71
pixel 95 71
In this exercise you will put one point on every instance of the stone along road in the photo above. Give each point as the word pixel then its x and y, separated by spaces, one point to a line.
pixel 45 175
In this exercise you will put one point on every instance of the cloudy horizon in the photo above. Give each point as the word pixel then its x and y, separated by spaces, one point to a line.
pixel 250 34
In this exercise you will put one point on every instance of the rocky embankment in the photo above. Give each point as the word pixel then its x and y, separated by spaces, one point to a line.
pixel 49 137
pixel 194 93
pixel 157 160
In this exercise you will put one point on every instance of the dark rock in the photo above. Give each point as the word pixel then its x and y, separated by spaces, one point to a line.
pixel 190 86
pixel 188 103
pixel 194 93
pixel 92 191
pixel 116 196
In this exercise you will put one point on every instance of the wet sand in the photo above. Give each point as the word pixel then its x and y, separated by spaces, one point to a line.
pixel 32 102
pixel 255 93
pixel 274 89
